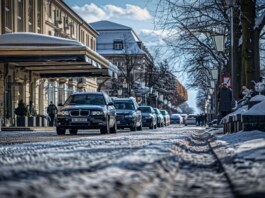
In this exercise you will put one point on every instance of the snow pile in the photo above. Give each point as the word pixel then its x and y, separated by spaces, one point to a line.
pixel 215 131
pixel 257 98
pixel 258 109
pixel 237 112
pixel 248 145
pixel 34 38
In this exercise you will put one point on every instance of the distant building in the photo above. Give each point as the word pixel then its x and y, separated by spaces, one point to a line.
pixel 121 46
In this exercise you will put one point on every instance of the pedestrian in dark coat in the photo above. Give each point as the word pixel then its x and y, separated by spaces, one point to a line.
pixel 225 100
pixel 52 110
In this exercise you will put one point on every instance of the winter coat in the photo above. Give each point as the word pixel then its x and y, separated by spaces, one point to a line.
pixel 52 109
pixel 225 100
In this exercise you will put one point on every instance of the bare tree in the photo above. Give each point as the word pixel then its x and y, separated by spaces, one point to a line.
pixel 188 24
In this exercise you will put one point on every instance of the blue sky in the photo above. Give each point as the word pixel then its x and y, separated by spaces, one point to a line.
pixel 138 14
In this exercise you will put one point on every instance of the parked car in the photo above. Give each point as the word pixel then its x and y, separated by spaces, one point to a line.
pixel 176 119
pixel 191 120
pixel 166 117
pixel 160 118
pixel 128 114
pixel 149 118
pixel 87 110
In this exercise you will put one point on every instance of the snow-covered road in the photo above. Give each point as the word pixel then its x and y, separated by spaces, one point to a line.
pixel 168 162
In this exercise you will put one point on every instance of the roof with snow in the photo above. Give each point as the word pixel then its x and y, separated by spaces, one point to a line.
pixel 29 49
pixel 20 39
pixel 108 25
pixel 110 32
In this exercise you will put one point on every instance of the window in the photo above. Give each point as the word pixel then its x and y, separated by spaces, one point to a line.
pixel 66 23
pixel 39 17
pixel 91 43
pixel 86 99
pixel 20 16
pixel 118 45
pixel 30 16
pixel 72 28
pixel 50 10
pixel 87 40
pixel 82 39
pixel 8 15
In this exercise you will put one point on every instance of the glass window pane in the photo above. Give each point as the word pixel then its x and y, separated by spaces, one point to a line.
pixel 20 15
pixel 39 15
pixel 30 16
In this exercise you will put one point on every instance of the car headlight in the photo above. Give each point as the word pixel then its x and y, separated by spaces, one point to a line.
pixel 97 113
pixel 63 113
pixel 130 116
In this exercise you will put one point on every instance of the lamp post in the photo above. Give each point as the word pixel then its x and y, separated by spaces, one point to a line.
pixel 218 40
pixel 120 92
pixel 156 95
pixel 230 4
pixel 125 86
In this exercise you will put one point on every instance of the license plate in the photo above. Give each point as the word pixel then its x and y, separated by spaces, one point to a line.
pixel 79 119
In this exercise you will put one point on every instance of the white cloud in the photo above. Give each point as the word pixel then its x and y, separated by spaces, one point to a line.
pixel 91 12
pixel 137 13
pixel 153 37
pixel 113 10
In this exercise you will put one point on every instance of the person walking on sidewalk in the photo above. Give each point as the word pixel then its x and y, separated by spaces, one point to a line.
pixel 225 100
pixel 52 110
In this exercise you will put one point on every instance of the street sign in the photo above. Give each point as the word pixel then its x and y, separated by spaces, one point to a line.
pixel 227 80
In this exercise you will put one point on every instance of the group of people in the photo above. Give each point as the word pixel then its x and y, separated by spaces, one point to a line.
pixel 201 120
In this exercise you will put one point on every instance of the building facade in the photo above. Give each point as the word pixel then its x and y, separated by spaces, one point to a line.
pixel 40 82
pixel 121 46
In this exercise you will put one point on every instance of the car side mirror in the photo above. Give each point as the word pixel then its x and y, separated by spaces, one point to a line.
pixel 110 103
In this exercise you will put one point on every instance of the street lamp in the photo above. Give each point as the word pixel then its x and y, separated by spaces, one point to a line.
pixel 218 39
pixel 120 92
pixel 230 4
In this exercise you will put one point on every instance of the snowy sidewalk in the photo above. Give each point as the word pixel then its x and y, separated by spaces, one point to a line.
pixel 243 158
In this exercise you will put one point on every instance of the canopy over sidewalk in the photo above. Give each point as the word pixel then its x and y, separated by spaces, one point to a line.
pixel 52 56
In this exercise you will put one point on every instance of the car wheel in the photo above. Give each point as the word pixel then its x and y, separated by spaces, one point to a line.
pixel 60 131
pixel 140 128
pixel 104 130
pixel 151 126
pixel 114 128
pixel 155 126
pixel 134 127
pixel 73 131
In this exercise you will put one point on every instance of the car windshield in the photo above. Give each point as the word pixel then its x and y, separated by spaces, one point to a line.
pixel 191 117
pixel 86 99
pixel 163 112
pixel 124 105
pixel 157 111
pixel 175 116
pixel 145 109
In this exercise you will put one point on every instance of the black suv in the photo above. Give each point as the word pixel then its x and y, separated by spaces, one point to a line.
pixel 149 117
pixel 87 110
pixel 128 115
